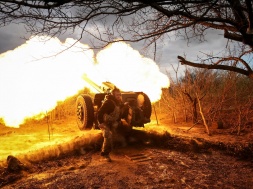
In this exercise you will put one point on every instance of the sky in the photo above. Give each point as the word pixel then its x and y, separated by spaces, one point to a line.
pixel 14 35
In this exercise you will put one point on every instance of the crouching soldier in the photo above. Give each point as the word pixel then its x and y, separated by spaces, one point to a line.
pixel 109 119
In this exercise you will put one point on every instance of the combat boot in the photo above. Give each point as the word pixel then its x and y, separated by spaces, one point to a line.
pixel 106 158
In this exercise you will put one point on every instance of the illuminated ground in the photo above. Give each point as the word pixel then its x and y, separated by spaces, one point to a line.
pixel 176 164
pixel 34 136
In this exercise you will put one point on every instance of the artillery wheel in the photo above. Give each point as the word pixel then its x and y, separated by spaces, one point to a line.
pixel 84 112
pixel 145 104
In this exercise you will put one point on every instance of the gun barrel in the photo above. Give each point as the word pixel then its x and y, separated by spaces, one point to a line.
pixel 106 87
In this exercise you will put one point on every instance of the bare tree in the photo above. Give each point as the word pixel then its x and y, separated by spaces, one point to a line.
pixel 130 20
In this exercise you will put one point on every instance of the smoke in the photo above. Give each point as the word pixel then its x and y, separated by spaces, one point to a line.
pixel 130 71
pixel 36 75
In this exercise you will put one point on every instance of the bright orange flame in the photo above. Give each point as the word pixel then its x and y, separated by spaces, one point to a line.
pixel 30 87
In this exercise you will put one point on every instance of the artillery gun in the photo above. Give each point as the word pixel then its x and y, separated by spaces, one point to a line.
pixel 87 107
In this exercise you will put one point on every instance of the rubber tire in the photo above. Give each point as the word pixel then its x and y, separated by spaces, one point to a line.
pixel 84 112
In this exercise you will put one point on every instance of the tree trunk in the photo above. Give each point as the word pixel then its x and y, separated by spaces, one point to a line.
pixel 185 113
pixel 194 111
pixel 203 117
pixel 239 122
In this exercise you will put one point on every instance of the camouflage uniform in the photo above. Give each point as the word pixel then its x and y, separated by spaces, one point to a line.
pixel 109 118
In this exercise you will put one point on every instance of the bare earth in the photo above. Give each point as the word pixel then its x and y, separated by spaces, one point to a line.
pixel 138 165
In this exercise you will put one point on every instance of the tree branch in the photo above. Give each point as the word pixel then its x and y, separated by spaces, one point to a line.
pixel 247 73
pixel 233 36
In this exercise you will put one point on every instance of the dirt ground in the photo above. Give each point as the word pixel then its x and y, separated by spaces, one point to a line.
pixel 169 163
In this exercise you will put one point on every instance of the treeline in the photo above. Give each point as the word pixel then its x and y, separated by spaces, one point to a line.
pixel 213 98
pixel 68 106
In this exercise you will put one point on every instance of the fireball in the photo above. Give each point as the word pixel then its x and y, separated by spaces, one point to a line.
pixel 37 75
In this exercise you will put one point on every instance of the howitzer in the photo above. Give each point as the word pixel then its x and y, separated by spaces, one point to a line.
pixel 137 109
